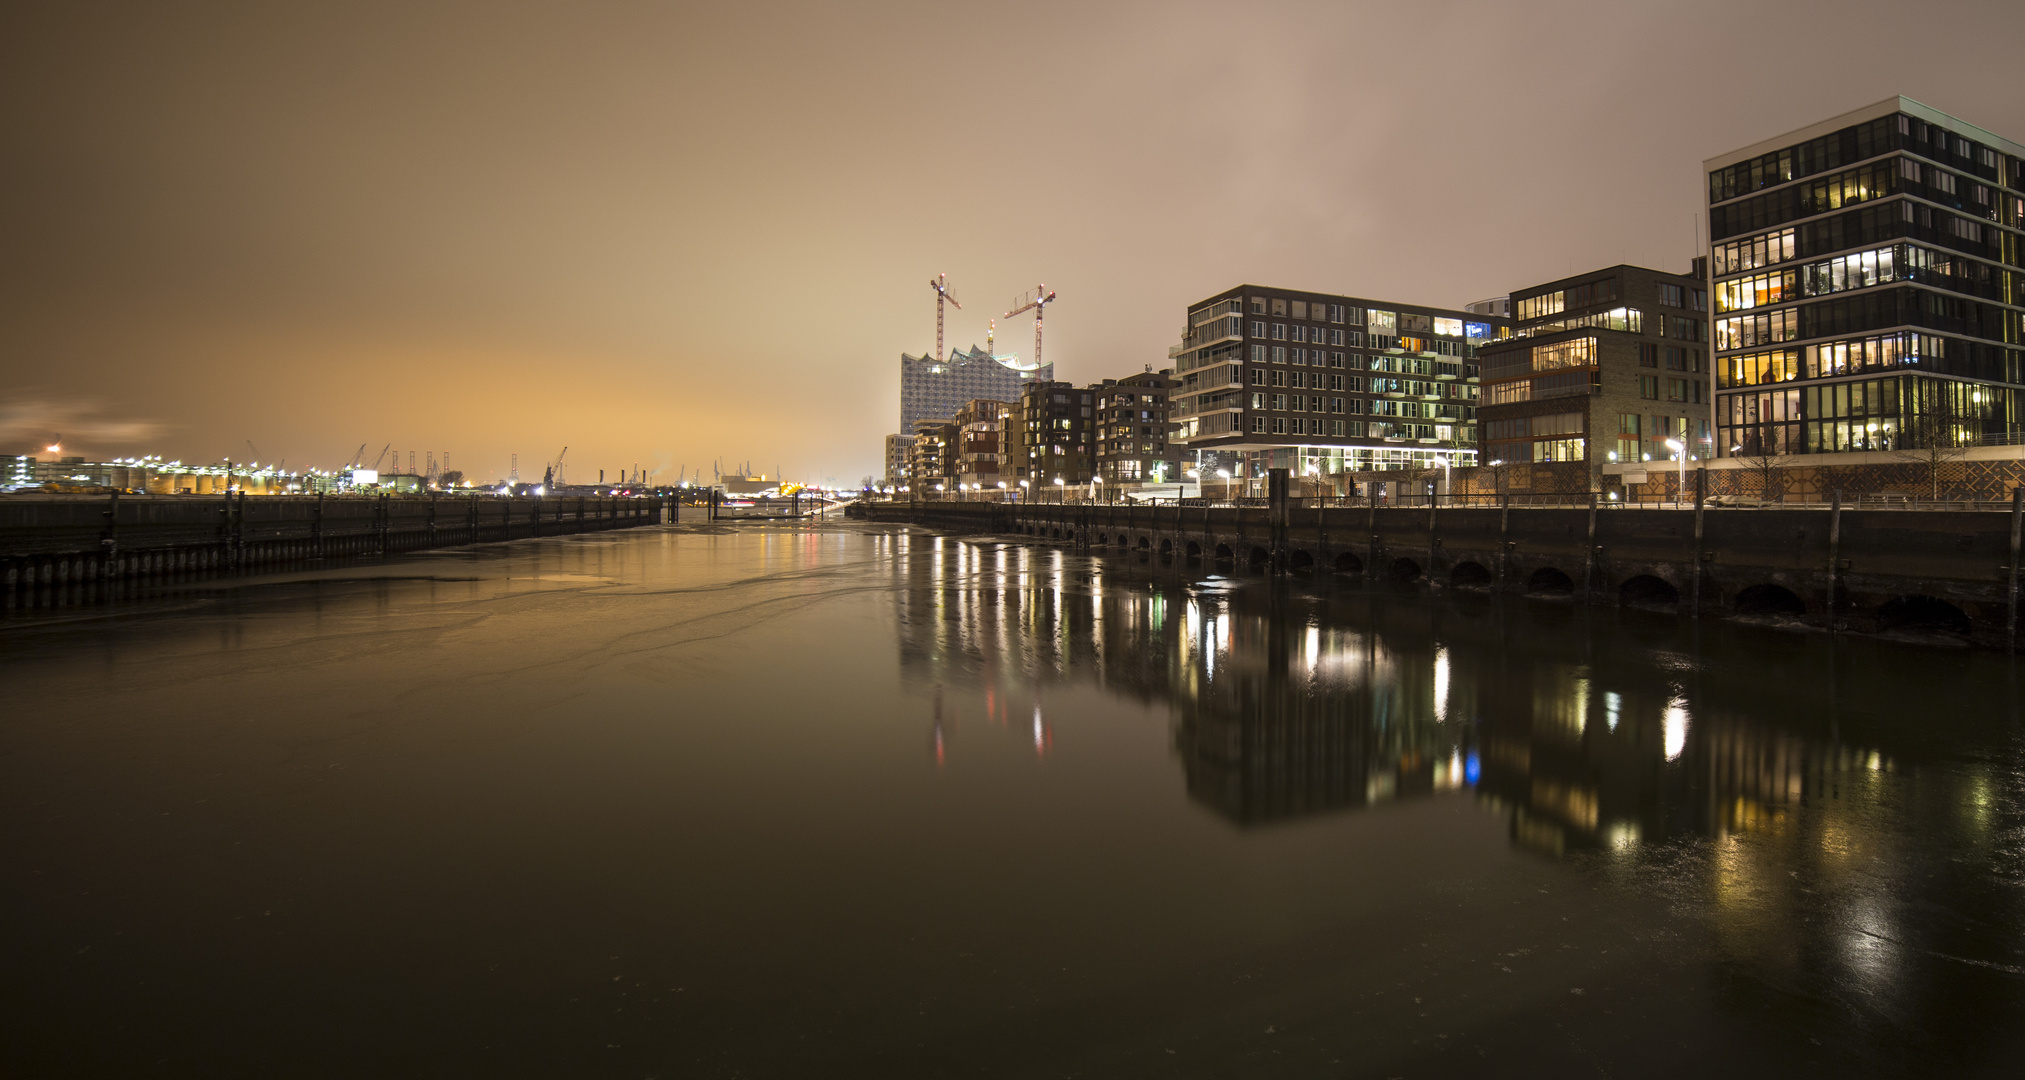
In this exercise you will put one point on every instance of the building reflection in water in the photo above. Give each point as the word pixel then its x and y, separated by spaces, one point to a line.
pixel 1720 757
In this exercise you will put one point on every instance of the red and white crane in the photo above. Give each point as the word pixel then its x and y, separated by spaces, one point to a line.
pixel 940 283
pixel 1036 302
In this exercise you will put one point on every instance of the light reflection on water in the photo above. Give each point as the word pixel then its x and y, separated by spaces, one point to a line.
pixel 1829 813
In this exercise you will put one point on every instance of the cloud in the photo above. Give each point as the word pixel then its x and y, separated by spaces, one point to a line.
pixel 26 427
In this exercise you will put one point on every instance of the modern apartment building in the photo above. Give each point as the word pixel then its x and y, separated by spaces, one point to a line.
pixel 1133 444
pixel 1055 426
pixel 1602 366
pixel 931 460
pixel 1323 384
pixel 1867 286
pixel 897 449
pixel 936 389
pixel 979 426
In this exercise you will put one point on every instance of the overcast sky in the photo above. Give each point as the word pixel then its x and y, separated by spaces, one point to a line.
pixel 668 233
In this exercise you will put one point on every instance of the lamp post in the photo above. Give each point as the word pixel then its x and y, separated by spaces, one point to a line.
pixel 1023 491
pixel 1679 449
pixel 1001 491
pixel 1058 490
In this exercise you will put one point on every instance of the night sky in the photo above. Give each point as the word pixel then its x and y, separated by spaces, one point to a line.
pixel 665 234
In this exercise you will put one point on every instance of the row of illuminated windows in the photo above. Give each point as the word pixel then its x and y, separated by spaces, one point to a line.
pixel 1587 294
pixel 1912 400
pixel 1750 253
pixel 1873 181
pixel 1876 309
pixel 1303 403
pixel 1830 358
pixel 1576 352
pixel 1858 270
pixel 1644 438
pixel 1851 436
pixel 1281 354
pixel 1294 425
pixel 1296 332
pixel 1312 379
pixel 1763 328
pixel 1864 227
pixel 1446 434
pixel 1562 384
pixel 1631 320
pixel 1375 320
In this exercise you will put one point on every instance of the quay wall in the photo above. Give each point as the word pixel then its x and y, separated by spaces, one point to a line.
pixel 1868 571
pixel 67 542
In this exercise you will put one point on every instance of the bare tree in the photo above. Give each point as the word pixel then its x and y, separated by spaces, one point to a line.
pixel 1935 435
pixel 1764 468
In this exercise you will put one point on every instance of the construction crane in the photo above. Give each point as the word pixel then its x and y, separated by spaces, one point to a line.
pixel 382 457
pixel 1036 302
pixel 555 473
pixel 358 457
pixel 940 283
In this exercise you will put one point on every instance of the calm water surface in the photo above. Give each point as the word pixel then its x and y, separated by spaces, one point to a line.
pixel 851 801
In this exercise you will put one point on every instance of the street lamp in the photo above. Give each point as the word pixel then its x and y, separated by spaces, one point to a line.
pixel 1058 489
pixel 1679 454
pixel 1001 491
pixel 1023 491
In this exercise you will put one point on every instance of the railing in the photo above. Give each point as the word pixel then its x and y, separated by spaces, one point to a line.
pixel 1520 499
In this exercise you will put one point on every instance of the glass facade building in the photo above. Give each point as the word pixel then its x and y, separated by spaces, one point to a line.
pixel 1867 286
pixel 932 389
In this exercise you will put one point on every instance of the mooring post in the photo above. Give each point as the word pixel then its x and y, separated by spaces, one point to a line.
pixel 1433 537
pixel 1589 556
pixel 1504 530
pixel 1371 549
pixel 1276 516
pixel 1834 551
pixel 2011 604
pixel 110 540
pixel 1701 496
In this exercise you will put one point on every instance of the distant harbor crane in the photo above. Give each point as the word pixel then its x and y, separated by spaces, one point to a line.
pixel 1036 302
pixel 940 283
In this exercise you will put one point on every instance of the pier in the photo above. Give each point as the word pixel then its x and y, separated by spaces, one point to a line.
pixel 59 546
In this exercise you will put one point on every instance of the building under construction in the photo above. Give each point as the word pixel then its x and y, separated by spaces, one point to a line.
pixel 935 391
